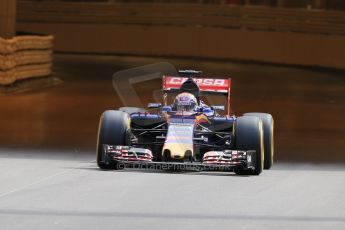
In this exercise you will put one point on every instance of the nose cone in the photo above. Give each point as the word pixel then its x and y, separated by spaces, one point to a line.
pixel 179 138
pixel 178 150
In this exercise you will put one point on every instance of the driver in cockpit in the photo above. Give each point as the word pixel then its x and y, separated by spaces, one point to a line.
pixel 185 102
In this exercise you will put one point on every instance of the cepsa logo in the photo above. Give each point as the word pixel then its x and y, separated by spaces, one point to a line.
pixel 199 81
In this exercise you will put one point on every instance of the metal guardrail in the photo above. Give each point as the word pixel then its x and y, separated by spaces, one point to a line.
pixel 225 16
pixel 25 57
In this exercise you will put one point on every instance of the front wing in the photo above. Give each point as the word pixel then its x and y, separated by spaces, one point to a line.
pixel 127 156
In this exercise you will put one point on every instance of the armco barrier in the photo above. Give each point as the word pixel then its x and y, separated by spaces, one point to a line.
pixel 25 57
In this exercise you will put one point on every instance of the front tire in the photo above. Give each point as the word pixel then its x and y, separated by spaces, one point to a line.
pixel 113 129
pixel 268 126
pixel 249 136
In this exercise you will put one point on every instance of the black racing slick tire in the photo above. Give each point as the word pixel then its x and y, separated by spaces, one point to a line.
pixel 268 125
pixel 113 129
pixel 249 136
pixel 131 110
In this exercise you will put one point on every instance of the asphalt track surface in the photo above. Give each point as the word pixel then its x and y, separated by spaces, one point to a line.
pixel 49 178
pixel 67 191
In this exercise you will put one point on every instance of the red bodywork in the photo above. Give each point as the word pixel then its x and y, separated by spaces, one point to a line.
pixel 206 85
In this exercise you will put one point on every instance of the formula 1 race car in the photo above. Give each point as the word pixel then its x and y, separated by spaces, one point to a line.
pixel 186 134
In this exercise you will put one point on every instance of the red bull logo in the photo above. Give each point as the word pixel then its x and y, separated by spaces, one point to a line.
pixel 202 119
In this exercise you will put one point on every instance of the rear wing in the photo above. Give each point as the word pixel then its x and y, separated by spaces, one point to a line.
pixel 207 86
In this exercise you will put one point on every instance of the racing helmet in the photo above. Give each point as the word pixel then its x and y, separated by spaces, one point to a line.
pixel 185 102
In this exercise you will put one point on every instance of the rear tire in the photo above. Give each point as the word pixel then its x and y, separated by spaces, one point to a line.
pixel 249 136
pixel 113 129
pixel 268 125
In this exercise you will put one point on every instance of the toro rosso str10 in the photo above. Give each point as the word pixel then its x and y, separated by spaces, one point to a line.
pixel 187 133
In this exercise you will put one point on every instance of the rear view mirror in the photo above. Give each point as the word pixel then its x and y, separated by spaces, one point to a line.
pixel 166 109
pixel 218 107
pixel 154 105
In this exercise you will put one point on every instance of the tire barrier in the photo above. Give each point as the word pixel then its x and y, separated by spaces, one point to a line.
pixel 25 57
